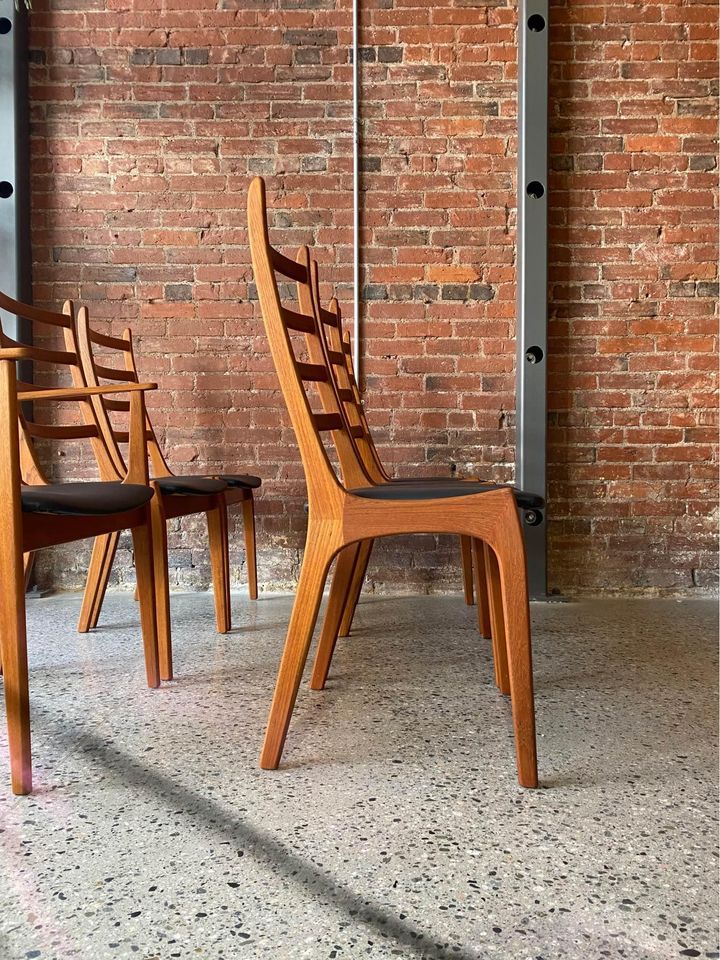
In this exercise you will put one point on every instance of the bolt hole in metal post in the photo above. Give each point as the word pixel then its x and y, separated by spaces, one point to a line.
pixel 535 189
pixel 5 25
pixel 534 354
pixel 536 23
pixel 6 189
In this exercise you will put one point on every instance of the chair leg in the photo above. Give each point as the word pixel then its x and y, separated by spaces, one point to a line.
pixel 516 610
pixel 143 550
pixel 248 509
pixel 313 574
pixel 467 569
pixel 356 584
pixel 101 561
pixel 28 563
pixel 337 602
pixel 13 645
pixel 162 586
pixel 220 564
pixel 494 592
pixel 483 608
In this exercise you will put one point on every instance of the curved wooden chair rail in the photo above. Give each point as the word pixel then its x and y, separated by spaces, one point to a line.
pixel 345 513
pixel 37 513
pixel 175 496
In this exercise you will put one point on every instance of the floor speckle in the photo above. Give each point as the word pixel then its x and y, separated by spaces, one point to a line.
pixel 395 827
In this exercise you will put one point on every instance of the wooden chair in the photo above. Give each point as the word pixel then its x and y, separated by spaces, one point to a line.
pixel 177 496
pixel 341 514
pixel 39 514
pixel 339 352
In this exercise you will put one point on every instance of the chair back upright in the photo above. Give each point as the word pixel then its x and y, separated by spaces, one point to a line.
pixel 304 383
pixel 59 362
pixel 107 409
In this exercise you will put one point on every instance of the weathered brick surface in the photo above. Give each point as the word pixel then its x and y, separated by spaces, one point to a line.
pixel 148 124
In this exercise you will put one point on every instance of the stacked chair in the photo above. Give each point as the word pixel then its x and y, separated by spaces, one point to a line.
pixel 348 511
pixel 39 514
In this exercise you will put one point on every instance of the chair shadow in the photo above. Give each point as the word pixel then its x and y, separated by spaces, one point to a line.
pixel 233 829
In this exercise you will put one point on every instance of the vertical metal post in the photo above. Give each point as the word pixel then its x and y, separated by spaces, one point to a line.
pixel 531 456
pixel 15 254
pixel 356 187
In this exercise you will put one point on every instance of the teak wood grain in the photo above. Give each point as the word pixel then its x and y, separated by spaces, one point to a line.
pixel 338 519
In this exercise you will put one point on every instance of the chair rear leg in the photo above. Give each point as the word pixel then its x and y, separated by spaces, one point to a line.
pixel 494 590
pixel 13 646
pixel 483 607
pixel 162 586
pixel 142 546
pixel 516 609
pixel 356 584
pixel 313 574
pixel 467 569
pixel 337 602
pixel 220 564
pixel 101 561
pixel 248 509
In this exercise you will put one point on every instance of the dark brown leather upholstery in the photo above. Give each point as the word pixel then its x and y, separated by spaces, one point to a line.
pixel 84 499
pixel 435 490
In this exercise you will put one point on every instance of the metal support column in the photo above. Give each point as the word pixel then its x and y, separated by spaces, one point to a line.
pixel 14 160
pixel 530 467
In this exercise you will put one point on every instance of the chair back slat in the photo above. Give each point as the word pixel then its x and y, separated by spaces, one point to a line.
pixel 117 406
pixel 328 421
pixel 298 321
pixel 112 343
pixel 290 269
pixel 56 431
pixel 114 373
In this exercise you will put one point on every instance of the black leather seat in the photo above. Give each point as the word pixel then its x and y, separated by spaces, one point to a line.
pixel 244 480
pixel 435 490
pixel 84 499
pixel 189 486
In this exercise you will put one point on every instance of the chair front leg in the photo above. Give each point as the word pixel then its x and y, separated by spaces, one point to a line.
pixel 101 561
pixel 483 608
pixel 13 646
pixel 248 509
pixel 220 563
pixel 467 569
pixel 316 562
pixel 356 585
pixel 144 570
pixel 337 602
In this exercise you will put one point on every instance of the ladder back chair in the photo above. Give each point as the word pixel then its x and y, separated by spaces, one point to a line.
pixel 37 513
pixel 339 356
pixel 341 516
pixel 176 496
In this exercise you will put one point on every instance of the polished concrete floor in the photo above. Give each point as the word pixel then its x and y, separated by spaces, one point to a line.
pixel 395 827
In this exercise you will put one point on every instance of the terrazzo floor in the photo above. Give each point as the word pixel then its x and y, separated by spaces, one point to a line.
pixel 395 827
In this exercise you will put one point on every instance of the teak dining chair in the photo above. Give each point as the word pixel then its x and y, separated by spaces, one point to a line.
pixel 341 516
pixel 39 514
pixel 177 496
pixel 339 354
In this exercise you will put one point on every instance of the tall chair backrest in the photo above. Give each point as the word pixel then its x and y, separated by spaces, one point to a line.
pixel 299 377
pixel 96 370
pixel 60 362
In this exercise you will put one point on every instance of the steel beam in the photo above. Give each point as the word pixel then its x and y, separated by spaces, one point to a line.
pixel 15 259
pixel 531 441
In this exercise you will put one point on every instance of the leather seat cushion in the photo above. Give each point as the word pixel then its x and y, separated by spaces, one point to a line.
pixel 435 490
pixel 245 480
pixel 84 499
pixel 189 486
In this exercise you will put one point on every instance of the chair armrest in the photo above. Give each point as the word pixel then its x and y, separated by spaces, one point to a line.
pixel 80 393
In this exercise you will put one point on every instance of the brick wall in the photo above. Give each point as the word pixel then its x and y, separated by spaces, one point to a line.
pixel 148 124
